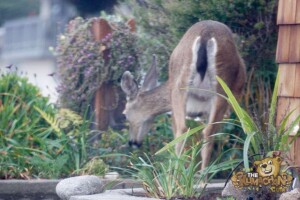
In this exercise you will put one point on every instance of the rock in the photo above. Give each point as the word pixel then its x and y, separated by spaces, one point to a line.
pixel 80 185
pixel 291 195
pixel 231 191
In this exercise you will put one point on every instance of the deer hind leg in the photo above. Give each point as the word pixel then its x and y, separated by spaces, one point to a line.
pixel 178 115
pixel 218 110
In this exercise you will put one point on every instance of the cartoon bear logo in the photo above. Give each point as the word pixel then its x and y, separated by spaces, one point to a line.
pixel 268 166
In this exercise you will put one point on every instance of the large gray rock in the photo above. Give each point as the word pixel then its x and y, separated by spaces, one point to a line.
pixel 292 195
pixel 80 185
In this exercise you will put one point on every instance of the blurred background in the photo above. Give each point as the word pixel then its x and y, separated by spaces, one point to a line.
pixel 28 33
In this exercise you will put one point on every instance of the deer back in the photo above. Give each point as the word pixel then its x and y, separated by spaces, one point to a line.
pixel 226 63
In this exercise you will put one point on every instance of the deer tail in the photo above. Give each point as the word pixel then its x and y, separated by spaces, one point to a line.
pixel 204 54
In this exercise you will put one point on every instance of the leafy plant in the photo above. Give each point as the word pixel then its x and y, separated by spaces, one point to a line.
pixel 81 63
pixel 21 126
pixel 177 176
pixel 262 141
pixel 95 166
pixel 113 148
pixel 71 134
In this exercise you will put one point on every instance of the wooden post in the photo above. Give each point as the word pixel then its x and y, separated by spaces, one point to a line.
pixel 109 101
pixel 108 104
pixel 288 58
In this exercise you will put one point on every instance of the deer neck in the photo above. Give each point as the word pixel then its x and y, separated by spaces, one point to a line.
pixel 158 100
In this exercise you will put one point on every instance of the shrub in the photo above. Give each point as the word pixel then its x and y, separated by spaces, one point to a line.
pixel 36 139
pixel 82 68
pixel 21 126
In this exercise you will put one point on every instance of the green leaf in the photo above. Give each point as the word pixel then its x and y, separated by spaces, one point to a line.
pixel 248 124
pixel 246 150
pixel 274 101
pixel 50 119
pixel 180 138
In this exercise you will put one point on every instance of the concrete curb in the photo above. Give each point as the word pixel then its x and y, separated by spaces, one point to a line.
pixel 28 189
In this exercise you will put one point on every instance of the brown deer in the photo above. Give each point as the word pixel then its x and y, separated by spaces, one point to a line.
pixel 205 51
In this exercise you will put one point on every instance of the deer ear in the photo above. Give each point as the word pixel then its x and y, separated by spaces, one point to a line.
pixel 129 85
pixel 150 81
pixel 131 24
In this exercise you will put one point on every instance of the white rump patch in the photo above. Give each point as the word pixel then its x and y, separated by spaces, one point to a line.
pixel 195 49
pixel 212 49
pixel 201 95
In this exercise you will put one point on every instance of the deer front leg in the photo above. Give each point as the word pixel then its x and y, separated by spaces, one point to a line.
pixel 178 115
pixel 217 112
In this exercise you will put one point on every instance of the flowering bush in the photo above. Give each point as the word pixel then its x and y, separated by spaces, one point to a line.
pixel 82 67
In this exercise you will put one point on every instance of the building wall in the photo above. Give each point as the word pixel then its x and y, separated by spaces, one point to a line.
pixel 38 72
pixel 25 43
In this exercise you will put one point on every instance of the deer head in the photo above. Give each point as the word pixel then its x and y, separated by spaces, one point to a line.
pixel 137 113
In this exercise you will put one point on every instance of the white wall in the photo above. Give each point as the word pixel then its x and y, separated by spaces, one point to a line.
pixel 38 72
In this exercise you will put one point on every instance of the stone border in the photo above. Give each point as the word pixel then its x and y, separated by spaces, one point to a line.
pixel 45 189
pixel 28 189
pixel 40 189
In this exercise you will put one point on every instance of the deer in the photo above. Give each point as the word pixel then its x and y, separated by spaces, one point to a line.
pixel 205 51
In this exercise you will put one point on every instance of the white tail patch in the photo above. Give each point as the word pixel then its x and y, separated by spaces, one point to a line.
pixel 212 49
pixel 195 49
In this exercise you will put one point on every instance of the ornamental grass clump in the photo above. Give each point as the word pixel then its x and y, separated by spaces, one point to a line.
pixel 263 140
pixel 168 175
pixel 85 64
